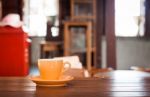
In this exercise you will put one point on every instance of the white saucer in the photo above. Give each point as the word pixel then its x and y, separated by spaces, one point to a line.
pixel 61 82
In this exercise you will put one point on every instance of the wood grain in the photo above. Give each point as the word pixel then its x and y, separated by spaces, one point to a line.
pixel 118 84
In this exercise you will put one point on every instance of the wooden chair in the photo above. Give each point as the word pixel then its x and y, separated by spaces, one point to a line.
pixel 77 69
pixel 78 39
pixel 48 48
pixel 137 68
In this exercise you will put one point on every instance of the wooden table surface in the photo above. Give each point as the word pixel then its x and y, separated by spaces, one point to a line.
pixel 116 84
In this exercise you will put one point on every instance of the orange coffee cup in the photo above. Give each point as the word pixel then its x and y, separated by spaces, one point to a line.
pixel 52 69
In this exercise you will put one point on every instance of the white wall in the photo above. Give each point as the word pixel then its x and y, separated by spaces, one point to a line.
pixel 132 51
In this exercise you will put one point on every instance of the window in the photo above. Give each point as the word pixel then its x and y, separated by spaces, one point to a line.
pixel 129 18
pixel 36 13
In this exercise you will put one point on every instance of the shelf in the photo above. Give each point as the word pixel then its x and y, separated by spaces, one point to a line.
pixel 83 17
pixel 83 9
pixel 78 14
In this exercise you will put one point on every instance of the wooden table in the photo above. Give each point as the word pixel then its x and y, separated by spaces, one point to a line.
pixel 116 84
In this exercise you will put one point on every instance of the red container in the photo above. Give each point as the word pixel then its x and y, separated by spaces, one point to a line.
pixel 13 52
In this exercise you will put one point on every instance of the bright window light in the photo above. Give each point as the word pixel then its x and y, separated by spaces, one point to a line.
pixel 35 15
pixel 55 31
pixel 129 18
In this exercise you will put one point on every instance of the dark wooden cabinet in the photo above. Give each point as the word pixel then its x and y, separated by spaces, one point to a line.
pixel 79 11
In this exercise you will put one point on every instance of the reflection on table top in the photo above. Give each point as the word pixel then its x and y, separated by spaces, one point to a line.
pixel 116 84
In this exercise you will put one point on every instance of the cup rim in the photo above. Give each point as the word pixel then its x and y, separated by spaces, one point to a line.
pixel 50 60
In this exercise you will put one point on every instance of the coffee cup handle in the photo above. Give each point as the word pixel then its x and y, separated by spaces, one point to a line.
pixel 68 67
